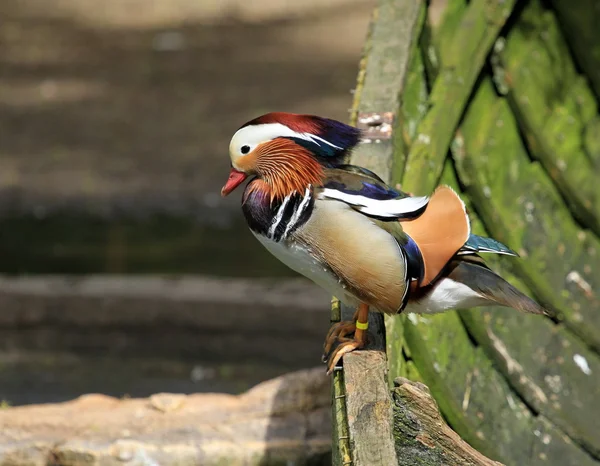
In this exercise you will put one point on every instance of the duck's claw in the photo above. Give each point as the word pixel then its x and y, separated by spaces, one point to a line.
pixel 337 331
pixel 345 345
pixel 337 342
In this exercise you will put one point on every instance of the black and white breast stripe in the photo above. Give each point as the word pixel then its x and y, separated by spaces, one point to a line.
pixel 293 212
pixel 279 221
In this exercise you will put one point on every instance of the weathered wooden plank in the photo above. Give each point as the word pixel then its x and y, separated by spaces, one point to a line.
pixel 412 109
pixel 543 327
pixel 380 82
pixel 478 402
pixel 553 371
pixel 579 20
pixel 367 399
pixel 412 101
pixel 475 398
pixel 486 170
pixel 467 51
pixel 554 106
pixel 558 259
pixel 422 436
pixel 396 25
pixel 340 441
pixel 369 408
pixel 444 392
pixel 493 427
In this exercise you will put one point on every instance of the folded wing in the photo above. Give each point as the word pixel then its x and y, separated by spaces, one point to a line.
pixel 368 194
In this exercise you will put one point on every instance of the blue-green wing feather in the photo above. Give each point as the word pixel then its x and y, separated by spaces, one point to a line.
pixel 480 244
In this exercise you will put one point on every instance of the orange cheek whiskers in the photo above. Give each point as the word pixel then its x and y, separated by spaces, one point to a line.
pixel 287 169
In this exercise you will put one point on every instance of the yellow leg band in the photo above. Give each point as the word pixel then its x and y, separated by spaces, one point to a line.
pixel 361 326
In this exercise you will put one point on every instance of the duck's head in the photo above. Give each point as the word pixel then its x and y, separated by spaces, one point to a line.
pixel 287 151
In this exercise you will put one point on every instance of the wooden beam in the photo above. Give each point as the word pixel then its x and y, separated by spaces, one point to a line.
pixel 363 384
pixel 423 436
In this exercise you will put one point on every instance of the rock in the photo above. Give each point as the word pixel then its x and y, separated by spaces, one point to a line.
pixel 282 421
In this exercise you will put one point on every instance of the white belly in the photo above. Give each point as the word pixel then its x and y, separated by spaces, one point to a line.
pixel 298 258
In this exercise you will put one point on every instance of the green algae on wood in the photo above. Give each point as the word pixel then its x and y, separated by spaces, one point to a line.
pixel 591 141
pixel 558 259
pixel 555 373
pixel 551 369
pixel 579 20
pixel 554 105
pixel 340 444
pixel 382 82
pixel 413 105
pixel 412 109
pixel 461 376
pixel 467 52
pixel 443 20
pixel 478 402
pixel 421 435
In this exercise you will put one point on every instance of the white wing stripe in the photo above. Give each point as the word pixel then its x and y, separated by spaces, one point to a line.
pixel 380 208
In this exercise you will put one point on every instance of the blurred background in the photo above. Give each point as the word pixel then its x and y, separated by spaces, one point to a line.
pixel 122 271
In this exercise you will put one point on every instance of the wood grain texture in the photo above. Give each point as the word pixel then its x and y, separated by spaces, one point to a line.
pixel 369 408
pixel 422 436
pixel 382 78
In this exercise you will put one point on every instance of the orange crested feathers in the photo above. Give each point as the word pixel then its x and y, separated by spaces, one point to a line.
pixel 440 231
pixel 284 166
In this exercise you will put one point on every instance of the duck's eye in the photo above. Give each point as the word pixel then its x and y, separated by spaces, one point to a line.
pixel 245 149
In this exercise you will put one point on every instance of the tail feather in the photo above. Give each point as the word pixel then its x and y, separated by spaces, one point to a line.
pixel 493 287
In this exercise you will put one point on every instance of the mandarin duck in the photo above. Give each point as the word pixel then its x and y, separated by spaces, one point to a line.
pixel 341 226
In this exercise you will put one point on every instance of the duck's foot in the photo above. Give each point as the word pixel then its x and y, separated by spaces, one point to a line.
pixel 343 346
pixel 337 342
pixel 337 331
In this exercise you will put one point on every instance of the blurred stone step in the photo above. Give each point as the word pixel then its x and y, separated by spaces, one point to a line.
pixel 282 421
pixel 214 319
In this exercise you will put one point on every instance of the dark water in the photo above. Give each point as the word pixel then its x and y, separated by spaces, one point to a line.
pixel 76 244
pixel 79 244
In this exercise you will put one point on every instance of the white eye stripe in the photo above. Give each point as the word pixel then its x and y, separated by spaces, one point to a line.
pixel 254 135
